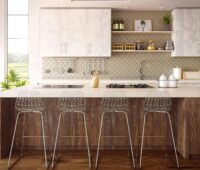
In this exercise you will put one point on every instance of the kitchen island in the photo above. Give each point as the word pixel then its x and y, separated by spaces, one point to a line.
pixel 185 115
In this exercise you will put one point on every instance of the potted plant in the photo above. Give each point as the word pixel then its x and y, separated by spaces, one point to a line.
pixel 167 22
pixel 12 80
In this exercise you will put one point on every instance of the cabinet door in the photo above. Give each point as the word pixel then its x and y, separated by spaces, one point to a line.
pixel 50 42
pixel 98 31
pixel 186 37
pixel 74 32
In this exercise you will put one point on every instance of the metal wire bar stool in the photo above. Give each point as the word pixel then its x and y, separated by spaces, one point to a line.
pixel 157 102
pixel 114 102
pixel 71 101
pixel 28 102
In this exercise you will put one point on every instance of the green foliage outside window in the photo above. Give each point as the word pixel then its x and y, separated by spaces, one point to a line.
pixel 12 80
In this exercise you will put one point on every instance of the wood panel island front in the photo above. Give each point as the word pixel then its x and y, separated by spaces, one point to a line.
pixel 185 114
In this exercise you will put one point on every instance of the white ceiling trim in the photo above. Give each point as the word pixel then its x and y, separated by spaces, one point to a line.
pixel 100 1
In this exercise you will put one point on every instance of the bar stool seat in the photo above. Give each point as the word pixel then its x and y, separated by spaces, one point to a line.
pixel 74 104
pixel 31 109
pixel 107 107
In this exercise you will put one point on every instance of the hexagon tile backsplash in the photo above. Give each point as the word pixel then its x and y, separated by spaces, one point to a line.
pixel 123 65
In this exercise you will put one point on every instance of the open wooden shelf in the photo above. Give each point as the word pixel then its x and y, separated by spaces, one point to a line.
pixel 140 32
pixel 142 51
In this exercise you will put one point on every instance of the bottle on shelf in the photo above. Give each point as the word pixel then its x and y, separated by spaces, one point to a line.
pixel 121 25
pixel 115 25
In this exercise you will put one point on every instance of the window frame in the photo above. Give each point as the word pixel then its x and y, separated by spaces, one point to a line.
pixel 3 43
pixel 7 38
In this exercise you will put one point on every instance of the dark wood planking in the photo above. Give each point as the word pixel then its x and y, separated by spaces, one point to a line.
pixel 185 116
pixel 182 127
pixel 193 126
pixel 6 124
pixel 109 160
pixel 188 127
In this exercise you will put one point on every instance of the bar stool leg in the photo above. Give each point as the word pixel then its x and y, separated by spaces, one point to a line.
pixel 22 148
pixel 56 140
pixel 97 157
pixel 170 123
pixel 130 140
pixel 44 142
pixel 142 142
pixel 87 142
pixel 16 122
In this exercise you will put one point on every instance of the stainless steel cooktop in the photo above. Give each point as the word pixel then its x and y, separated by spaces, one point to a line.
pixel 128 86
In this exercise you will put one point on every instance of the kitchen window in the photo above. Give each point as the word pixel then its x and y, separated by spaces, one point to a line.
pixel 18 55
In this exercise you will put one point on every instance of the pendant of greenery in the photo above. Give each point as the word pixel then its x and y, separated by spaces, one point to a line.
pixel 12 80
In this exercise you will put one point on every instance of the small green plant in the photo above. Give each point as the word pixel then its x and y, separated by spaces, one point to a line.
pixel 6 85
pixel 20 83
pixel 12 80
pixel 167 19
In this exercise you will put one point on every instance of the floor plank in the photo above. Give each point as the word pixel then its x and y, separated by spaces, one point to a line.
pixel 109 160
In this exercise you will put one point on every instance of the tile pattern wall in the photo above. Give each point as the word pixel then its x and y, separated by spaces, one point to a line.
pixel 124 65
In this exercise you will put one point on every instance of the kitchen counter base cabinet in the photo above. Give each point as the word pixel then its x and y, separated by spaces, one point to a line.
pixel 185 116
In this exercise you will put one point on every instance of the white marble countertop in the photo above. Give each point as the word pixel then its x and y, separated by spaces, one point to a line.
pixel 88 92
pixel 104 81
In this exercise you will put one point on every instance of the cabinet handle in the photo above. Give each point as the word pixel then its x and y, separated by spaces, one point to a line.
pixel 65 48
pixel 89 48
pixel 198 47
pixel 61 48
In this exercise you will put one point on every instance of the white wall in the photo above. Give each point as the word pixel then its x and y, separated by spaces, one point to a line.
pixel 3 38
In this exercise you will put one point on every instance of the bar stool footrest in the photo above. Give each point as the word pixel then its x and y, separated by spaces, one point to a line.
pixel 113 136
pixel 35 136
pixel 153 136
pixel 73 136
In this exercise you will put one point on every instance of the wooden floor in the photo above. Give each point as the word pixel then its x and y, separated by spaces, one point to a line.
pixel 109 160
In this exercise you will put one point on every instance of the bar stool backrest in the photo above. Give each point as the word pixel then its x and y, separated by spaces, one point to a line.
pixel 72 100
pixel 29 101
pixel 157 101
pixel 114 100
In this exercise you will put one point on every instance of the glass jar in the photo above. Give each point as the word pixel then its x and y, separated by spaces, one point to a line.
pixel 139 45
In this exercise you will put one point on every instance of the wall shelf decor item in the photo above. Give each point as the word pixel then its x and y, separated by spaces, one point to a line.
pixel 143 25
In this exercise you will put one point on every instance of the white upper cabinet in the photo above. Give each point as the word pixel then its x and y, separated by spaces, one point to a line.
pixel 50 37
pixel 186 36
pixel 75 32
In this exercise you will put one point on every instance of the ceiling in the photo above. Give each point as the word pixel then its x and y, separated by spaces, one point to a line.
pixel 135 4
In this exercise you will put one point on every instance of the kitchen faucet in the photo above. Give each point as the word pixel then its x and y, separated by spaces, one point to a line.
pixel 141 69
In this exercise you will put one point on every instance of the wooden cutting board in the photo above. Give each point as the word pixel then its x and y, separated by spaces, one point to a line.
pixel 191 75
